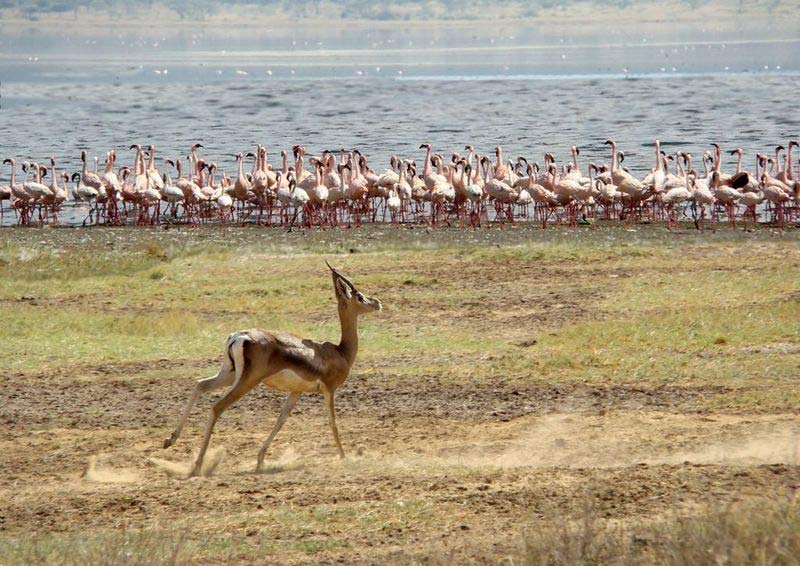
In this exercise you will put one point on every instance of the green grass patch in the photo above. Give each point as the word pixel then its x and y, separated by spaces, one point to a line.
pixel 669 311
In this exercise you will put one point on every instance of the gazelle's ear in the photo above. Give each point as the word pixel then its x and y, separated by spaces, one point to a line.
pixel 343 289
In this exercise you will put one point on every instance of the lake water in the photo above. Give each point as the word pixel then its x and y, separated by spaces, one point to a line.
pixel 387 95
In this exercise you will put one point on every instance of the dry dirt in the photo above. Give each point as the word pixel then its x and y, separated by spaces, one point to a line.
pixel 84 453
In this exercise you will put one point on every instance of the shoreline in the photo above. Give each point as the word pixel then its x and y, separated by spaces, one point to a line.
pixel 374 238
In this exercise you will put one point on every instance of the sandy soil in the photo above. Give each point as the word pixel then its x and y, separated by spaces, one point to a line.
pixel 431 466
pixel 82 452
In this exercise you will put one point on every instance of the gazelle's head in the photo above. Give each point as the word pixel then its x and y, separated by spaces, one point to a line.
pixel 349 298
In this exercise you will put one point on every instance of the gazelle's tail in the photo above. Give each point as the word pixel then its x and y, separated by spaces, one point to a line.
pixel 236 340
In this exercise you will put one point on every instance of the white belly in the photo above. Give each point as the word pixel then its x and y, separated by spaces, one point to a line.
pixel 289 382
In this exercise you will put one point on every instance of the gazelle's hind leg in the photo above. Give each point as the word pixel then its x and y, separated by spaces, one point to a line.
pixel 243 382
pixel 223 379
pixel 288 405
pixel 329 402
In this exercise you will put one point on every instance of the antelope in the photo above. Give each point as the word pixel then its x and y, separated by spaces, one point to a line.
pixel 285 363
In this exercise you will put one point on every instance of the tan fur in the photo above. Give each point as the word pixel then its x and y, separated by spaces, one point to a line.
pixel 285 363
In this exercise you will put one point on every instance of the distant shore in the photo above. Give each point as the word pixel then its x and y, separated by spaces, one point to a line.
pixel 761 17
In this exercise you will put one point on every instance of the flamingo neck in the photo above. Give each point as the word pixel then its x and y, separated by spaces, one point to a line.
pixel 658 156
pixel 614 165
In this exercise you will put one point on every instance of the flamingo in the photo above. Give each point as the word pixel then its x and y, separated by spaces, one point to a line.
pixel 742 179
pixel 786 175
pixel 607 193
pixel 474 193
pixel 5 192
pixel 153 175
pixel 58 195
pixel 428 176
pixel 318 194
pixel 331 178
pixel 172 194
pixel 702 197
pixel 298 198
pixel 725 194
pixel 242 186
pixel 394 205
pixel 751 199
pixel 86 193
pixel 89 178
pixel 677 195
pixel 500 171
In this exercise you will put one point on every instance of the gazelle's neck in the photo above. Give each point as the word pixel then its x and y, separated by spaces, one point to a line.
pixel 348 345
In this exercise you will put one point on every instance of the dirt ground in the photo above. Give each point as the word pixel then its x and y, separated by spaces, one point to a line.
pixel 434 467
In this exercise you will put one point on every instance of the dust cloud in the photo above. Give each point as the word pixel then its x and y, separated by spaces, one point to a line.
pixel 107 474
pixel 610 441
pixel 181 470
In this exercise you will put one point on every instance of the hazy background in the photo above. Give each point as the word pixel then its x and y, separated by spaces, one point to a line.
pixel 201 40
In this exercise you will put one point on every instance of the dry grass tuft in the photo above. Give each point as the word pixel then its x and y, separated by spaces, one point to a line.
pixel 755 532
pixel 114 548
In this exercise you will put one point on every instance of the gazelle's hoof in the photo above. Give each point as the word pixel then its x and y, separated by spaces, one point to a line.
pixel 169 441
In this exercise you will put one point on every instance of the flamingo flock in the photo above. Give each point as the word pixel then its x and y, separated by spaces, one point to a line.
pixel 341 189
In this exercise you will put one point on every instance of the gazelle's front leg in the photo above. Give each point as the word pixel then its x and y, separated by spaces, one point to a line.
pixel 222 379
pixel 286 408
pixel 329 402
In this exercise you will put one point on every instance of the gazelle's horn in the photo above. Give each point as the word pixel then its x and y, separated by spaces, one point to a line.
pixel 339 275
